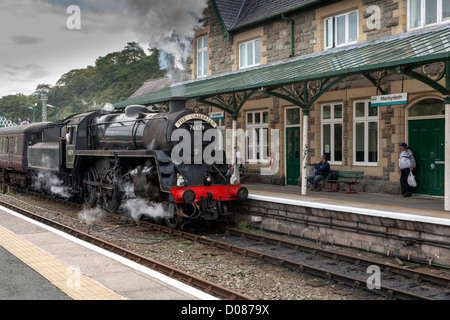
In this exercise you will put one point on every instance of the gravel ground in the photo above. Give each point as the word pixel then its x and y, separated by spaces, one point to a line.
pixel 251 277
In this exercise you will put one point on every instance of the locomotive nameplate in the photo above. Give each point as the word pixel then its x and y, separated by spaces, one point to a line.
pixel 196 116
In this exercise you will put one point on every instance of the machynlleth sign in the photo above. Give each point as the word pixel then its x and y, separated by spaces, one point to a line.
pixel 217 115
pixel 389 99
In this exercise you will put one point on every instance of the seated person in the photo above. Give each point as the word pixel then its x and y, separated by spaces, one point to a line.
pixel 322 170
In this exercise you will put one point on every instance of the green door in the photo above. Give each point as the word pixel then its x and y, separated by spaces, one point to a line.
pixel 427 141
pixel 292 155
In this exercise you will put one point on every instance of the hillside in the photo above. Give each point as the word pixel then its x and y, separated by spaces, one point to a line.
pixel 113 78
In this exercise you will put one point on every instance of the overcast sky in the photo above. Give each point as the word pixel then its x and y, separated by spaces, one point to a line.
pixel 38 43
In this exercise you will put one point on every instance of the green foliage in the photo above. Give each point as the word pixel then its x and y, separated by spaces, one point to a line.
pixel 16 106
pixel 115 77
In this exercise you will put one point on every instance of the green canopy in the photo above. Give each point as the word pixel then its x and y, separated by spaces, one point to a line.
pixel 401 52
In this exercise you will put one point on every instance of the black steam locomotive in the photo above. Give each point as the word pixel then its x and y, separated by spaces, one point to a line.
pixel 109 158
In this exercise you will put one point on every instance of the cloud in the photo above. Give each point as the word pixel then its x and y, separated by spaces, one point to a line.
pixel 166 25
pixel 36 42
pixel 99 7
pixel 25 40
pixel 25 72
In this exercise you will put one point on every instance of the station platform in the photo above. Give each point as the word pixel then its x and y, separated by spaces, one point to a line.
pixel 415 208
pixel 38 262
pixel 415 228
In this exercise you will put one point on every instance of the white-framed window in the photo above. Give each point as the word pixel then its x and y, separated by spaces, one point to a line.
pixel 202 56
pixel 365 133
pixel 422 13
pixel 249 53
pixel 341 29
pixel 332 132
pixel 257 136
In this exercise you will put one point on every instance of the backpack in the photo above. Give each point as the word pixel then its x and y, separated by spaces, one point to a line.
pixel 333 175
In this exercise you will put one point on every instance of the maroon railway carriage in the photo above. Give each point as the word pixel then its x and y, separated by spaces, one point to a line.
pixel 14 142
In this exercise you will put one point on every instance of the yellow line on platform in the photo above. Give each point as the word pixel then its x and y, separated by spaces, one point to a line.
pixel 67 278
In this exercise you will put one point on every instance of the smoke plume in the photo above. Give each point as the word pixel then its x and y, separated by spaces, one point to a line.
pixel 168 25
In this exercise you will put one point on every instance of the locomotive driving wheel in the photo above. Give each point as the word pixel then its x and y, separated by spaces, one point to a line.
pixel 90 190
pixel 112 198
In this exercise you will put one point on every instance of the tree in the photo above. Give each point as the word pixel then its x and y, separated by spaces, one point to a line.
pixel 112 78
pixel 132 52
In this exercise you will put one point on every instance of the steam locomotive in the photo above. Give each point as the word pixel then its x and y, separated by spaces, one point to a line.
pixel 109 157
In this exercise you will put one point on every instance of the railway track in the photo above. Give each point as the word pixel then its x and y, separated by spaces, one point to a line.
pixel 196 282
pixel 415 278
pixel 253 245
pixel 401 282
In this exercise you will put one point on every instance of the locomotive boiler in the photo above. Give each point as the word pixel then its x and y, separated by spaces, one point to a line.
pixel 169 159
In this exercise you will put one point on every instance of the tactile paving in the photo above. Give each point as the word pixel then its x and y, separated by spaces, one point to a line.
pixel 67 278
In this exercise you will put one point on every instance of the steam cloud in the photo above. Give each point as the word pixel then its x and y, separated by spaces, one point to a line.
pixel 50 183
pixel 168 25
pixel 108 107
pixel 90 216
pixel 139 207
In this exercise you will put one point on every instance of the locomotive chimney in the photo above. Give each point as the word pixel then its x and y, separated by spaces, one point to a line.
pixel 177 104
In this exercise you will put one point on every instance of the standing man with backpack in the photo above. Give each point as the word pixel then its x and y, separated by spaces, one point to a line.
pixel 407 163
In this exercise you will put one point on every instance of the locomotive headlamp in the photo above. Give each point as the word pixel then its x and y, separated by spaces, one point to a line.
pixel 188 196
pixel 208 179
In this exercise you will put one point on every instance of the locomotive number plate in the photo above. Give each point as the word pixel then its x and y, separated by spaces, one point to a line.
pixel 196 127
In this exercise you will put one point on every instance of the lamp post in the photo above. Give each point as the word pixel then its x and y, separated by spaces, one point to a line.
pixel 34 111
pixel 59 110
pixel 44 99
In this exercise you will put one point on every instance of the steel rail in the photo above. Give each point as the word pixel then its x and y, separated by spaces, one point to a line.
pixel 414 274
pixel 191 280
pixel 296 266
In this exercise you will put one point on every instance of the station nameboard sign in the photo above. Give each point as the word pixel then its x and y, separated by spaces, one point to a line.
pixel 389 99
pixel 217 115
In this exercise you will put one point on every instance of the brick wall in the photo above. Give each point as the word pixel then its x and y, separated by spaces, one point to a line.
pixel 414 239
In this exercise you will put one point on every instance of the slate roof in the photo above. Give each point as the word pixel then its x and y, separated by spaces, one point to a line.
pixel 239 13
pixel 152 86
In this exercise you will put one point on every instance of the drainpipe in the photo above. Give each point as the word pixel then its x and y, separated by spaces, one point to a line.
pixel 292 32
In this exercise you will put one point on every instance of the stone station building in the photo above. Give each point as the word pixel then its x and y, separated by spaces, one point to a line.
pixel 310 69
